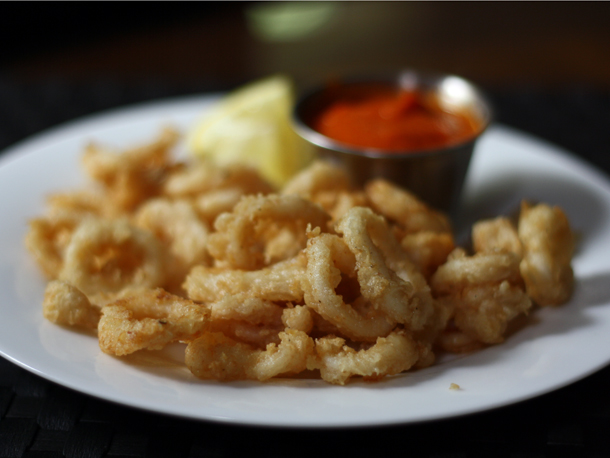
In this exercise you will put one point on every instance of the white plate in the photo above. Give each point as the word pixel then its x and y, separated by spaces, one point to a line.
pixel 555 348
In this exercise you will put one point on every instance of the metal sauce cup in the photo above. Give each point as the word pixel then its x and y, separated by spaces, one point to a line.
pixel 436 175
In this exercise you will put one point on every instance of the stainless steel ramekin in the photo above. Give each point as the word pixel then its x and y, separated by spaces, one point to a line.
pixel 436 175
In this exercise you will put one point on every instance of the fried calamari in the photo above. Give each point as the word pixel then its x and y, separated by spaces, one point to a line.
pixel 318 277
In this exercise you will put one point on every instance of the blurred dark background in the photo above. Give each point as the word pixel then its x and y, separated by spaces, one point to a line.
pixel 224 43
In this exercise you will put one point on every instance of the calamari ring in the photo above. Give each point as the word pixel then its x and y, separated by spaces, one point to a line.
pixel 250 320
pixel 132 176
pixel 236 242
pixel 67 305
pixel 482 268
pixel 428 250
pixel 405 208
pixel 258 336
pixel 387 278
pixel 252 310
pixel 389 355
pixel 486 292
pixel 327 258
pixel 280 282
pixel 329 186
pixel 213 203
pixel 176 225
pixel 47 239
pixel 320 176
pixel 149 320
pixel 218 357
pixel 202 176
pixel 548 246
pixel 497 234
pixel 483 312
pixel 109 255
pixel 298 317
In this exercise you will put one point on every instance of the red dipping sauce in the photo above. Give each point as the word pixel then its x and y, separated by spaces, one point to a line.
pixel 393 120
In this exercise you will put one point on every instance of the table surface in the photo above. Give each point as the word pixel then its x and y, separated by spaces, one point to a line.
pixel 41 419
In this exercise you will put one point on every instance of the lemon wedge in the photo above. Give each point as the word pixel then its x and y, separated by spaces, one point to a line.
pixel 251 125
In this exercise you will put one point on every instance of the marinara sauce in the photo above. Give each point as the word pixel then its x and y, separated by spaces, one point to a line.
pixel 393 120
